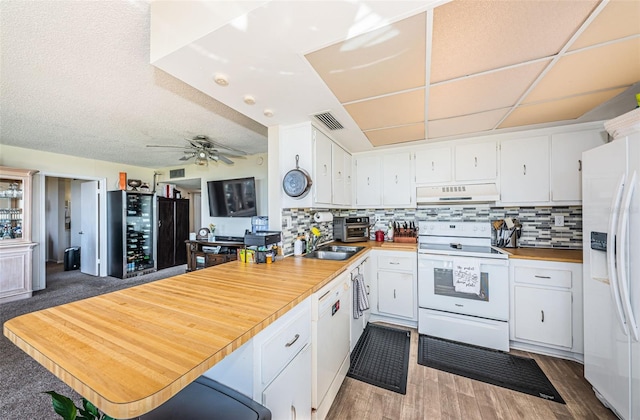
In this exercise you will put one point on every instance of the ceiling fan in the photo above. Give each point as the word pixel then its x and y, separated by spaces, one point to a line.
pixel 202 148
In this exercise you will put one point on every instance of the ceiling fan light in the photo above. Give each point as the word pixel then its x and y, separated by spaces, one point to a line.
pixel 202 160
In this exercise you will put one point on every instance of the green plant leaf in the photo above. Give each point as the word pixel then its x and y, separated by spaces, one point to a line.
pixel 90 408
pixel 105 417
pixel 63 406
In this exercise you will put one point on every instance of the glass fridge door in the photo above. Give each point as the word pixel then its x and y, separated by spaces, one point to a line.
pixel 139 233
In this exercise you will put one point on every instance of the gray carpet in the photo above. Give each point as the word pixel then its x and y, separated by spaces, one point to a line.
pixel 22 379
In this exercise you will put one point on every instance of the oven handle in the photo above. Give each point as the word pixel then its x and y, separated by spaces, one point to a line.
pixel 425 256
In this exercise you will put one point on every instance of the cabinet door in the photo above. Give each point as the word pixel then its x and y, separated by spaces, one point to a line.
pixel 543 315
pixel 476 162
pixel 433 165
pixel 395 294
pixel 338 178
pixel 166 233
pixel 182 230
pixel 368 187
pixel 348 185
pixel 289 395
pixel 322 158
pixel 396 179
pixel 566 162
pixel 524 170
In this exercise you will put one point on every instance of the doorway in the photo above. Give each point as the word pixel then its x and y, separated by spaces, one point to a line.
pixel 67 213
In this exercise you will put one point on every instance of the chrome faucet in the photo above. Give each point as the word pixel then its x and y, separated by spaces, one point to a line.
pixel 314 242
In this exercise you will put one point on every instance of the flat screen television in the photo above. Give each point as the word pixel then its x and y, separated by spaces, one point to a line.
pixel 232 197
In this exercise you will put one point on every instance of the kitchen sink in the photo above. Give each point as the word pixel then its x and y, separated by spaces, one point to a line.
pixel 334 252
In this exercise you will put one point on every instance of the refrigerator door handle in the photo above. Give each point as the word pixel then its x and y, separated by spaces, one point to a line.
pixel 623 231
pixel 612 254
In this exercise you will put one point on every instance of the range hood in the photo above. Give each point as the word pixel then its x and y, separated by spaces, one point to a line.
pixel 458 193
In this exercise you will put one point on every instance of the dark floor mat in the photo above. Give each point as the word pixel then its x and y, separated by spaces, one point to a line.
pixel 491 366
pixel 381 358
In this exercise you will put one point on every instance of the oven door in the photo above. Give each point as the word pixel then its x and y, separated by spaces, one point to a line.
pixel 436 287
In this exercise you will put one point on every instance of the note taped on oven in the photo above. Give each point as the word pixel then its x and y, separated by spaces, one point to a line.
pixel 466 276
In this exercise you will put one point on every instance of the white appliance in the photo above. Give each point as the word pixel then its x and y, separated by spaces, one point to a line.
pixel 463 284
pixel 458 193
pixel 611 276
pixel 330 325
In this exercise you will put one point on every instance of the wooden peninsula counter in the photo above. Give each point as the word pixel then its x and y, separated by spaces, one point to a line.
pixel 131 350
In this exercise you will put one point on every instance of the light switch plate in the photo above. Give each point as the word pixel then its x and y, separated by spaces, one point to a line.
pixel 559 220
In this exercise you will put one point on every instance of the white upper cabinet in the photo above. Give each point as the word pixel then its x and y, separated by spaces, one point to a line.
pixel 328 165
pixel 322 182
pixel 433 165
pixel 476 161
pixel 341 179
pixel 566 162
pixel 524 170
pixel 368 181
pixel 396 180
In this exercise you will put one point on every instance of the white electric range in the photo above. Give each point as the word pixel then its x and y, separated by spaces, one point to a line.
pixel 463 284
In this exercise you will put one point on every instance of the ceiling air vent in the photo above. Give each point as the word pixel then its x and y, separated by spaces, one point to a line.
pixel 176 173
pixel 329 121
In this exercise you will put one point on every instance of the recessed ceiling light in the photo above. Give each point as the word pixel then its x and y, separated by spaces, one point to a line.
pixel 249 100
pixel 268 113
pixel 221 79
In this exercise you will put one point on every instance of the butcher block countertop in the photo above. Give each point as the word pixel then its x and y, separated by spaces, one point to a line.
pixel 547 254
pixel 131 350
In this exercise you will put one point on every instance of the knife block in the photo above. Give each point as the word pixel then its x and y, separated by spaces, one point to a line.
pixel 409 235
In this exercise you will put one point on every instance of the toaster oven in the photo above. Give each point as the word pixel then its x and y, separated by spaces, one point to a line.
pixel 351 229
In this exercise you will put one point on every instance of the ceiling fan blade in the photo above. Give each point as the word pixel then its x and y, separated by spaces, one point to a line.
pixel 225 159
pixel 186 157
pixel 170 147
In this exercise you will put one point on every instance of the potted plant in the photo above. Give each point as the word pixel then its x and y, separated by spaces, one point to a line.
pixel 66 408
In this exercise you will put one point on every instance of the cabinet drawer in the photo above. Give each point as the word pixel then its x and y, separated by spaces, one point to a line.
pixel 278 350
pixel 543 276
pixel 387 262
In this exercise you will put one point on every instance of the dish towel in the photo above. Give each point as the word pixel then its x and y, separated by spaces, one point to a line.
pixel 466 276
pixel 360 299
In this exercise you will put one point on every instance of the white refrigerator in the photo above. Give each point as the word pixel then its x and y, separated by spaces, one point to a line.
pixel 611 244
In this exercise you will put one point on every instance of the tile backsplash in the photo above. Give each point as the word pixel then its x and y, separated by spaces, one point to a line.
pixel 538 223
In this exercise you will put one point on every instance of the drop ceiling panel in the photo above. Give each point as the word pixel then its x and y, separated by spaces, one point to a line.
pixel 393 110
pixel 489 91
pixel 466 124
pixel 396 135
pixel 474 36
pixel 559 110
pixel 619 19
pixel 386 60
pixel 608 66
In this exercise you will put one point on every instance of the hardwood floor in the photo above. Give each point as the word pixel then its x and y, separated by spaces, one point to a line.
pixel 433 394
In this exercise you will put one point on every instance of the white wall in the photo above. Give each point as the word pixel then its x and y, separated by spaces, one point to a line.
pixel 254 165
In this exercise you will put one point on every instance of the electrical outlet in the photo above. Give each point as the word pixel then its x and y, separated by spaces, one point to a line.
pixel 559 220
pixel 286 222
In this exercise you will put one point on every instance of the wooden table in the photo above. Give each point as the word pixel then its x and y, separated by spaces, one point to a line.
pixel 130 351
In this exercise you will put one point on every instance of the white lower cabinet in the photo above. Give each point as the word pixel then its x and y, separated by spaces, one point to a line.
pixel 289 394
pixel 395 288
pixel 543 315
pixel 546 309
pixel 274 367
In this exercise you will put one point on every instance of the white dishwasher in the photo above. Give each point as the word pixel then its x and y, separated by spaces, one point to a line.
pixel 330 311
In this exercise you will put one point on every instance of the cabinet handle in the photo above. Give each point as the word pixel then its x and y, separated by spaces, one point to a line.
pixel 524 169
pixel 394 263
pixel 396 179
pixel 368 181
pixel 290 343
pixel 542 277
pixel 433 166
pixel 294 416
pixel 325 168
pixel 394 293
pixel 368 289
pixel 542 316
pixel 339 173
pixel 579 165
pixel 475 161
